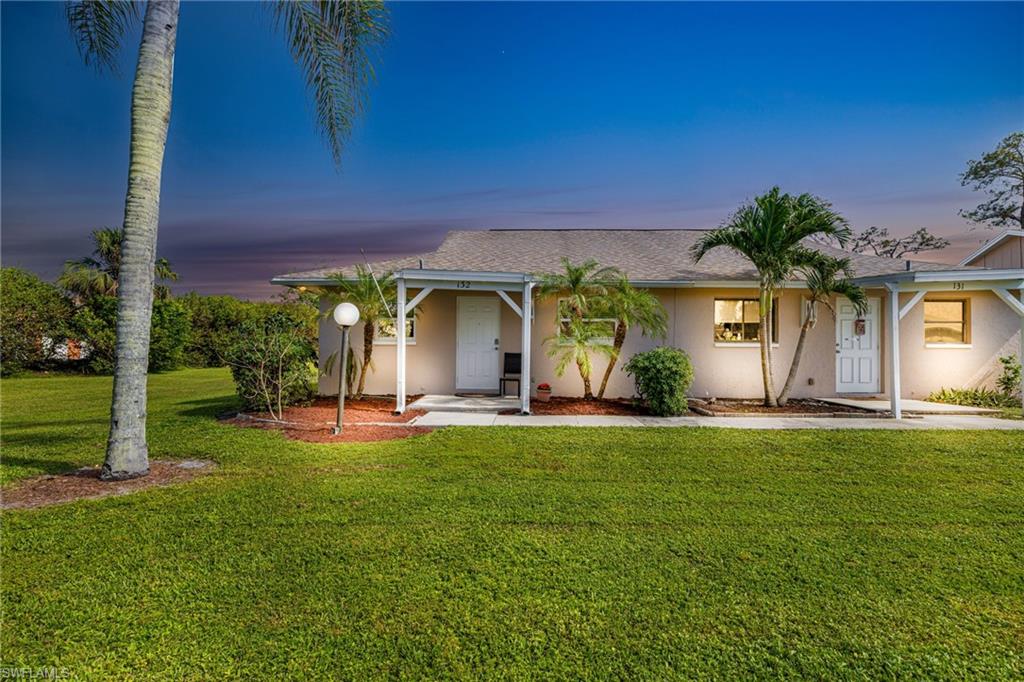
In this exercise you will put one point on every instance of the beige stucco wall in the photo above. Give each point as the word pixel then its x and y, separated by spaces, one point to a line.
pixel 1008 254
pixel 723 372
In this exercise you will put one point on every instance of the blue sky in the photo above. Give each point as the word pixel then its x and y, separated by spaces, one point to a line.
pixel 510 115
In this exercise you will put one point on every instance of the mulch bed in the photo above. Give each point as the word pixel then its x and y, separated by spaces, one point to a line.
pixel 577 406
pixel 727 407
pixel 85 483
pixel 366 420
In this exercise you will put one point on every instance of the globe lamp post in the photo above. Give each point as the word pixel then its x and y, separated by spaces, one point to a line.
pixel 345 316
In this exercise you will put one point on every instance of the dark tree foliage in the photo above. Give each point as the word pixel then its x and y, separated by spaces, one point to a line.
pixel 95 322
pixel 33 320
pixel 877 240
pixel 1000 174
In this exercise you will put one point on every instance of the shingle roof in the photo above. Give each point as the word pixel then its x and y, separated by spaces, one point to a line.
pixel 644 255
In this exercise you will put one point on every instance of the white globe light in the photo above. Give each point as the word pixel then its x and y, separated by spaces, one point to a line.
pixel 346 314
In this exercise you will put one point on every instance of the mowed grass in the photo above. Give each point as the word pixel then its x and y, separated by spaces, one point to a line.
pixel 483 553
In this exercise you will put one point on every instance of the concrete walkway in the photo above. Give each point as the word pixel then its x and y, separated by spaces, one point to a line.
pixel 951 421
pixel 908 406
pixel 461 403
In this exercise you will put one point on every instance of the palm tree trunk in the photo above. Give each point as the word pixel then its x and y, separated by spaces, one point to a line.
pixel 368 326
pixel 764 329
pixel 620 339
pixel 804 328
pixel 588 394
pixel 127 453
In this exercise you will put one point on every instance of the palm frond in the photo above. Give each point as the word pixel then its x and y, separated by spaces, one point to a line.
pixel 333 42
pixel 98 27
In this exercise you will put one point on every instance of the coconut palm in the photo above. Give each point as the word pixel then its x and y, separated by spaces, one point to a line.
pixel 331 41
pixel 631 307
pixel 825 278
pixel 770 232
pixel 377 300
pixel 574 343
pixel 99 274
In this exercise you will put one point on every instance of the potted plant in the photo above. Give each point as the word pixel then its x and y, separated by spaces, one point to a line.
pixel 543 392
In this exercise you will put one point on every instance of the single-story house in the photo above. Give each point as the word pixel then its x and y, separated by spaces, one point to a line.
pixel 929 325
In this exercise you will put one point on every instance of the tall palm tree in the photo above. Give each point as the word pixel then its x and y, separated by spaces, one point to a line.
pixel 331 41
pixel 770 232
pixel 578 290
pixel 825 278
pixel 100 273
pixel 574 343
pixel 631 307
pixel 377 300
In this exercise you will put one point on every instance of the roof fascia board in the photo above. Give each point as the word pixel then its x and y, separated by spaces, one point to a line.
pixel 991 244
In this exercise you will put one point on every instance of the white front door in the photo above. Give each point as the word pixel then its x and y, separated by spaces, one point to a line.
pixel 857 357
pixel 478 321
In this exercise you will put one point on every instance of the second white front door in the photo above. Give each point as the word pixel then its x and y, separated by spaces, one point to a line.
pixel 857 356
pixel 476 356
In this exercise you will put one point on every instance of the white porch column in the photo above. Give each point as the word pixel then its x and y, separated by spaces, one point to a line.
pixel 524 379
pixel 400 348
pixel 894 350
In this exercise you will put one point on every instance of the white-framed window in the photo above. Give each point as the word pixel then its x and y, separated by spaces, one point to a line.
pixel 604 327
pixel 384 333
pixel 947 322
pixel 736 321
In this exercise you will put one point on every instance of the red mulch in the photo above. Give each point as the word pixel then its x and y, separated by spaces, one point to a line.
pixel 82 484
pixel 312 423
pixel 792 407
pixel 561 405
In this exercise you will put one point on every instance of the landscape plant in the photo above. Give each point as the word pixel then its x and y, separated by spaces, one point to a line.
pixel 771 232
pixel 1009 378
pixel 95 323
pixel 332 42
pixel 377 300
pixel 630 307
pixel 100 273
pixel 973 397
pixel 663 375
pixel 272 364
pixel 33 319
pixel 825 278
pixel 579 291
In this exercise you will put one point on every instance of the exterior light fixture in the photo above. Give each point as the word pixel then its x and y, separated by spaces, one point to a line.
pixel 345 316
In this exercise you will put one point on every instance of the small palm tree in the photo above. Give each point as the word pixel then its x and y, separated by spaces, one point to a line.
pixel 770 232
pixel 574 343
pixel 332 42
pixel 631 307
pixel 578 285
pixel 377 300
pixel 99 274
pixel 825 278
pixel 579 289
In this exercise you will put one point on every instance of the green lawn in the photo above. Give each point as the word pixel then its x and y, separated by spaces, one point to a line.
pixel 478 553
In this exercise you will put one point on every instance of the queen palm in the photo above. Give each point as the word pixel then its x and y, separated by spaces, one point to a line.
pixel 578 288
pixel 100 273
pixel 630 307
pixel 825 278
pixel 331 42
pixel 376 300
pixel 770 232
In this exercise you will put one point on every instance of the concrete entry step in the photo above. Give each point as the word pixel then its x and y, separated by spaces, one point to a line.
pixel 458 403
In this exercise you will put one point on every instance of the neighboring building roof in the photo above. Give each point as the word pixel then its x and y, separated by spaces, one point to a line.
pixel 644 255
pixel 991 244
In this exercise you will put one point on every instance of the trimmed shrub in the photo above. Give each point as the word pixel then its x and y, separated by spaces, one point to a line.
pixel 273 364
pixel 96 324
pixel 663 376
pixel 33 320
pixel 973 397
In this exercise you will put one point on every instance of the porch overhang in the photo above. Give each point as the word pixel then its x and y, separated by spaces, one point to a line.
pixel 1000 282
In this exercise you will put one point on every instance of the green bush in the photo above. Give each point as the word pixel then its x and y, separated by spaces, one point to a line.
pixel 31 310
pixel 662 375
pixel 273 364
pixel 95 323
pixel 216 321
pixel 1009 381
pixel 972 397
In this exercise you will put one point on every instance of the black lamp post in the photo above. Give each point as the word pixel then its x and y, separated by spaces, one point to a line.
pixel 345 316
